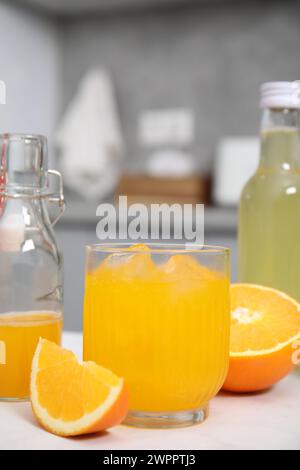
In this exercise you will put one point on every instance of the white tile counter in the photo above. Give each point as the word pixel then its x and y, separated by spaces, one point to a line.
pixel 269 420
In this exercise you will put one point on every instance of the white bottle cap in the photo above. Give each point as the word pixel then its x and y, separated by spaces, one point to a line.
pixel 280 95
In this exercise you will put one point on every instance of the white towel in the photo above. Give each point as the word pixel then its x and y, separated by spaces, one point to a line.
pixel 90 139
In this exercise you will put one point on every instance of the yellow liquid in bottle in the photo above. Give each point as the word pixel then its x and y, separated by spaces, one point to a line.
pixel 269 216
pixel 19 335
pixel 164 328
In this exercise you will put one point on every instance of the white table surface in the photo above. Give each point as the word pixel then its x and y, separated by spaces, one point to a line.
pixel 269 420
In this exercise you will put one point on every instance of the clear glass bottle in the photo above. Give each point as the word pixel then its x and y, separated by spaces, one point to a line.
pixel 269 213
pixel 31 266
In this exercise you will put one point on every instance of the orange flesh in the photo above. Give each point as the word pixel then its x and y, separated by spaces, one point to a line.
pixel 261 319
pixel 84 386
pixel 265 326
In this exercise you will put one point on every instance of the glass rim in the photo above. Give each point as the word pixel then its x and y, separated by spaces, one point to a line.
pixel 22 136
pixel 172 248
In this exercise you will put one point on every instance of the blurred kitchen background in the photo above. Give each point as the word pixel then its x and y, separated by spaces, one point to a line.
pixel 156 99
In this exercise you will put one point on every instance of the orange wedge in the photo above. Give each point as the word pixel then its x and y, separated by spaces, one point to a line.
pixel 70 398
pixel 265 332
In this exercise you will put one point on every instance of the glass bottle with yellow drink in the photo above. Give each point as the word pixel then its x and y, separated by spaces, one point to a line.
pixel 269 213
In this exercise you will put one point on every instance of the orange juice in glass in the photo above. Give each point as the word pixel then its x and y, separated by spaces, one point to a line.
pixel 158 315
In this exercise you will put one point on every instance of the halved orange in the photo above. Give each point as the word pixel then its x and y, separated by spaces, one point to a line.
pixel 70 398
pixel 265 330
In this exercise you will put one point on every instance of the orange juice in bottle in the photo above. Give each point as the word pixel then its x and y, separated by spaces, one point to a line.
pixel 19 335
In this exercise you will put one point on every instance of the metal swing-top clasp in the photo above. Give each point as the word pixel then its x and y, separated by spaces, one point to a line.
pixel 57 198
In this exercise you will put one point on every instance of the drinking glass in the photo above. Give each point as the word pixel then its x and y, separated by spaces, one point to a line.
pixel 159 316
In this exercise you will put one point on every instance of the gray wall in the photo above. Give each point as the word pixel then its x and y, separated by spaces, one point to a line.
pixel 30 66
pixel 212 58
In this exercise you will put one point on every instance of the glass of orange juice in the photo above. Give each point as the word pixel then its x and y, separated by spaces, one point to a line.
pixel 158 315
